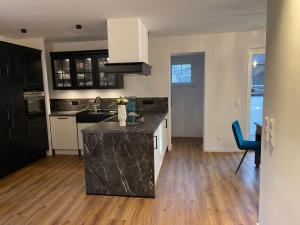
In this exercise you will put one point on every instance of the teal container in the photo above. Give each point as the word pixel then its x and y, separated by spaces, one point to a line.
pixel 131 105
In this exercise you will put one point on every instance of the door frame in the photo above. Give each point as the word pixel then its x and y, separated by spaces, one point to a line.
pixel 249 84
pixel 203 52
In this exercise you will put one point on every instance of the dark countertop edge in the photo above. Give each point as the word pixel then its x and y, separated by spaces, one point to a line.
pixel 164 114
pixel 63 113
pixel 71 113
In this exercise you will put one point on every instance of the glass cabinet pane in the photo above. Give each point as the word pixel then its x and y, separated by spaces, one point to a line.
pixel 88 65
pixel 102 79
pixel 84 72
pixel 105 79
pixel 79 66
pixel 89 79
pixel 62 73
pixel 57 66
pixel 111 80
pixel 66 66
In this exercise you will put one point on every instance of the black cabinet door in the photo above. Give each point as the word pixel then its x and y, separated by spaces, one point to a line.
pixel 7 162
pixel 32 71
pixel 106 80
pixel 14 85
pixel 62 73
pixel 5 154
pixel 38 136
pixel 84 71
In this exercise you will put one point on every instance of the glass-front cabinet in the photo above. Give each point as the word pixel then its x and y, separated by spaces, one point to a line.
pixel 107 80
pixel 83 70
pixel 62 73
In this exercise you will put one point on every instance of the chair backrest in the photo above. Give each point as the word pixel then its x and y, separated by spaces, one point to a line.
pixel 238 135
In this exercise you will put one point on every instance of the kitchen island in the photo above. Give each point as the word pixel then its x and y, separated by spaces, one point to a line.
pixel 125 161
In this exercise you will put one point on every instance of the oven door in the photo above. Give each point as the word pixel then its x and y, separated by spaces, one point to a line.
pixel 34 103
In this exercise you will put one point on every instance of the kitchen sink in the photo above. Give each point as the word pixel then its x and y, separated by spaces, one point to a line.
pixel 93 116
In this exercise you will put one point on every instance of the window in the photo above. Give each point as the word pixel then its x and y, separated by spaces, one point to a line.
pixel 182 74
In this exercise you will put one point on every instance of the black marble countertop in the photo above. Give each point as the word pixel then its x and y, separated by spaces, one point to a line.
pixel 63 113
pixel 150 124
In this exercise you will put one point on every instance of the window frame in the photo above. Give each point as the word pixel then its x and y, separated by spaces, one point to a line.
pixel 192 83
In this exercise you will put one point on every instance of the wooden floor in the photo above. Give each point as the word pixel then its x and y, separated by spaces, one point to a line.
pixel 193 188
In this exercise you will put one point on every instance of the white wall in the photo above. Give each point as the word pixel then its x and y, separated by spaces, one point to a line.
pixel 36 43
pixel 188 100
pixel 134 85
pixel 280 183
pixel 226 64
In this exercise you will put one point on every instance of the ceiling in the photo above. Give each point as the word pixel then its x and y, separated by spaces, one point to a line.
pixel 55 19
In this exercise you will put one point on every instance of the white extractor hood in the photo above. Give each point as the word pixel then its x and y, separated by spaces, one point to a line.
pixel 128 46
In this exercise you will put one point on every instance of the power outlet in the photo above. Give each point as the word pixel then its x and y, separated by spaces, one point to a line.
pixel 75 102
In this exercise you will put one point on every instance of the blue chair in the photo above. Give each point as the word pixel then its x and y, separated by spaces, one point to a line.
pixel 243 144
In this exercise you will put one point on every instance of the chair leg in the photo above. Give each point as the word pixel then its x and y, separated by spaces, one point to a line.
pixel 241 161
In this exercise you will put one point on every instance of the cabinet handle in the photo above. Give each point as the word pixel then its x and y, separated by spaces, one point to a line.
pixel 62 118
pixel 166 123
pixel 155 147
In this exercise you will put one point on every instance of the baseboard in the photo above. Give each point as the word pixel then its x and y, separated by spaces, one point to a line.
pixel 66 152
pixel 220 150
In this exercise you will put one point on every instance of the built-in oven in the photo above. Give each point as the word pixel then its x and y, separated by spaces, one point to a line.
pixel 35 103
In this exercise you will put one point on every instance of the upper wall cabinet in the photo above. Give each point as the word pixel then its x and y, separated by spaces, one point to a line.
pixel 62 73
pixel 83 70
pixel 32 71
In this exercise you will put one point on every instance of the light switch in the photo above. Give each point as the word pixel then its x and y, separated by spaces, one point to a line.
pixel 272 132
pixel 266 129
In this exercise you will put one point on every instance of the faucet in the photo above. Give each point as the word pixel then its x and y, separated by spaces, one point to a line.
pixel 98 99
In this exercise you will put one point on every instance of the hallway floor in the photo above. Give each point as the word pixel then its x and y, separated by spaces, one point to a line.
pixel 194 188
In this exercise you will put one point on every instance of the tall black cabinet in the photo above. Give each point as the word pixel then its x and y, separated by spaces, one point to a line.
pixel 20 71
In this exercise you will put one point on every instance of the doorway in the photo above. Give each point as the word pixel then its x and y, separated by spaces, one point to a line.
pixel 187 94
pixel 256 76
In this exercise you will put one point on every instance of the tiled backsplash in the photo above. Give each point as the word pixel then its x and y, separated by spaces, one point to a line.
pixel 142 104
pixel 69 104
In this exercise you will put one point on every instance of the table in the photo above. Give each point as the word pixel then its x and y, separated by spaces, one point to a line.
pixel 258 138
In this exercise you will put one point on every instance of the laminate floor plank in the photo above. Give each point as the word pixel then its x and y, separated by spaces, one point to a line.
pixel 194 188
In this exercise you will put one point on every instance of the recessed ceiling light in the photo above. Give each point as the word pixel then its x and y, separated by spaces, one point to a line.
pixel 78 26
pixel 23 31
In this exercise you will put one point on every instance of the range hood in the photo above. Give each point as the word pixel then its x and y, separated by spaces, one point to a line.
pixel 128 46
pixel 129 68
